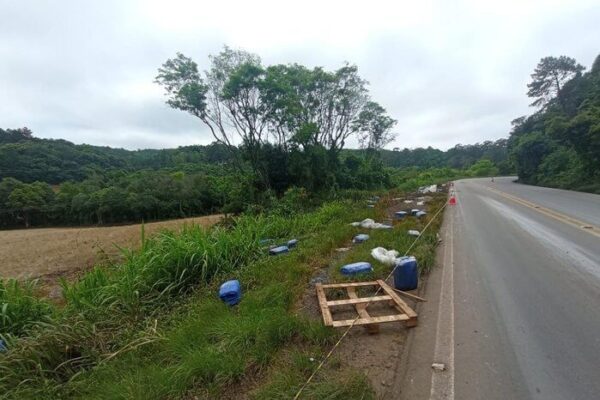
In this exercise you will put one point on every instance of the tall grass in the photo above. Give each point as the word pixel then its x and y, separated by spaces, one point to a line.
pixel 20 309
pixel 107 309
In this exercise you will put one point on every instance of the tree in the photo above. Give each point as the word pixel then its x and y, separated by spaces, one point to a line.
pixel 483 167
pixel 374 127
pixel 29 198
pixel 549 77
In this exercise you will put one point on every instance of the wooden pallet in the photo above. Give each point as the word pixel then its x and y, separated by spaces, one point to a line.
pixel 386 293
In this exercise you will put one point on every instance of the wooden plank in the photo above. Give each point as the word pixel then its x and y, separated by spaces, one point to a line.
pixel 349 284
pixel 400 304
pixel 371 320
pixel 361 309
pixel 327 319
pixel 358 300
pixel 412 296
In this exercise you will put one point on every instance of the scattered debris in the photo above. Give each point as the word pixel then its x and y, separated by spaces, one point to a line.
pixel 279 250
pixel 370 206
pixel 413 232
pixel 408 201
pixel 230 292
pixel 342 249
pixel 402 311
pixel 438 366
pixel 356 268
pixel 387 257
pixel 370 224
pixel 292 243
pixel 428 189
pixel 400 214
pixel 420 203
pixel 362 237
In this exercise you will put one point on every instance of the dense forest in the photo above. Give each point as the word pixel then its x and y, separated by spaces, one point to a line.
pixel 106 185
pixel 559 145
pixel 278 130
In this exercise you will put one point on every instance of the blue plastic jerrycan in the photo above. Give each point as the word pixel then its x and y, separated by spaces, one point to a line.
pixel 406 273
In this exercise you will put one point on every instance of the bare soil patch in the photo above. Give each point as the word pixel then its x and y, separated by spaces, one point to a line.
pixel 50 252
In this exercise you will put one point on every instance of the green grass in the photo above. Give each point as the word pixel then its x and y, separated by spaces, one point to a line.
pixel 20 309
pixel 153 326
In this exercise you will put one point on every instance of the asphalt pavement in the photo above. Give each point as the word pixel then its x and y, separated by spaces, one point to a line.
pixel 514 309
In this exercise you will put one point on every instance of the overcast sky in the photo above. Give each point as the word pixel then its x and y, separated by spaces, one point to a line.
pixel 449 71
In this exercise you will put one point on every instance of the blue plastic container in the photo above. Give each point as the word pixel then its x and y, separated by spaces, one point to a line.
pixel 360 238
pixel 279 250
pixel 356 268
pixel 406 273
pixel 231 292
pixel 400 214
pixel 2 346
pixel 421 214
pixel 292 243
pixel 414 211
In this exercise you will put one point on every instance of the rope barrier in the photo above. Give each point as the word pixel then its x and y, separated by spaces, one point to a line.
pixel 336 345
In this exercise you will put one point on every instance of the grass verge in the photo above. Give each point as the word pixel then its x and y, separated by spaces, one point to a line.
pixel 153 326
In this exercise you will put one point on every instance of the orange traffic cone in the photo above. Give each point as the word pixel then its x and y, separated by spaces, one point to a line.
pixel 452 201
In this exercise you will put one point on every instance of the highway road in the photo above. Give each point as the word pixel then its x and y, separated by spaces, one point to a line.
pixel 514 310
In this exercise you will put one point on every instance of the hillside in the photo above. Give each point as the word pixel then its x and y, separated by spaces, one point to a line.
pixel 29 159
pixel 559 144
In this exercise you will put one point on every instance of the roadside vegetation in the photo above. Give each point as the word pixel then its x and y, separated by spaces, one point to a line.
pixel 559 144
pixel 153 326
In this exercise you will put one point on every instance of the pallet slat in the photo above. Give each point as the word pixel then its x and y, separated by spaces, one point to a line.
pixel 327 318
pixel 361 310
pixel 358 300
pixel 400 305
pixel 371 320
pixel 349 284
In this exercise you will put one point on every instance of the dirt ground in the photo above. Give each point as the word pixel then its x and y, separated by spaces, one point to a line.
pixel 33 253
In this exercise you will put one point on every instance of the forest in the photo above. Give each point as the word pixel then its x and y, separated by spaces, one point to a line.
pixel 278 130
pixel 107 186
pixel 559 144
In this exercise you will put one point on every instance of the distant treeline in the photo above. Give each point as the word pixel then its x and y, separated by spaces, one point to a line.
pixel 31 159
pixel 559 145
pixel 279 132
pixel 459 157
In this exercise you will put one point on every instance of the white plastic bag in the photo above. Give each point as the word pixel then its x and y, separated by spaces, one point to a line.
pixel 387 257
pixel 370 224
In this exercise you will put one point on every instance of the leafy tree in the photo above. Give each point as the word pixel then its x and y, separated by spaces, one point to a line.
pixel 29 198
pixel 374 127
pixel 549 77
pixel 483 167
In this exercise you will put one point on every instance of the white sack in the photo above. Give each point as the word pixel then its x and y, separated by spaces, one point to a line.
pixel 387 257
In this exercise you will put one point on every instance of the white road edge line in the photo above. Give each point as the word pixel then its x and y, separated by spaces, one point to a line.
pixel 442 382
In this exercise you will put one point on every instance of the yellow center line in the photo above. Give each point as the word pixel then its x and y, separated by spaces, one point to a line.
pixel 584 226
